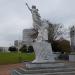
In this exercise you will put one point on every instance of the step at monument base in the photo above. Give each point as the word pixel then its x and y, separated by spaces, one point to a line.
pixel 54 68
pixel 43 65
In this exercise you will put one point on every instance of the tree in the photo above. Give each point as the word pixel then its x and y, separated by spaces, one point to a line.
pixel 23 48
pixel 30 49
pixel 61 45
pixel 12 49
pixel 54 31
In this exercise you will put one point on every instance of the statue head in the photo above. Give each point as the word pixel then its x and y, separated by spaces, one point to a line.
pixel 33 7
pixel 72 31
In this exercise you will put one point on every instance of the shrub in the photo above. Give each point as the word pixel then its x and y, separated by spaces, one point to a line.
pixel 61 46
pixel 12 49
pixel 30 49
pixel 23 49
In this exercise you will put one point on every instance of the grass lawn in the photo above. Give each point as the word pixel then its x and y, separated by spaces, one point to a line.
pixel 11 58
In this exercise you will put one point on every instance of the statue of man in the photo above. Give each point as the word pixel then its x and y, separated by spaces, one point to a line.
pixel 72 36
pixel 36 17
pixel 42 49
pixel 39 25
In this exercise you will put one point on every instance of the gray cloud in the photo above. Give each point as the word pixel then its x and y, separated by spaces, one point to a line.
pixel 14 16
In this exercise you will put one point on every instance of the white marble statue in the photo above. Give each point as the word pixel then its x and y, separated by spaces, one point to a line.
pixel 72 37
pixel 38 24
pixel 42 48
pixel 35 16
pixel 43 32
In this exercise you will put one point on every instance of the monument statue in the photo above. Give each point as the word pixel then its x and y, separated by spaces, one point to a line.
pixel 38 24
pixel 44 58
pixel 42 48
pixel 72 37
pixel 36 16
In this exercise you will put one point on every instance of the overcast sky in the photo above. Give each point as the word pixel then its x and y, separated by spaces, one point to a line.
pixel 14 16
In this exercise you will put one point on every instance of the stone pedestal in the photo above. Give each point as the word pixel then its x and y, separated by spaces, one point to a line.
pixel 53 68
pixel 72 57
pixel 44 57
pixel 31 65
pixel 43 52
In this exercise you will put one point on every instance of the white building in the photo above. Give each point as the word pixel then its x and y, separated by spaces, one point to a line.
pixel 27 36
pixel 72 36
pixel 4 49
pixel 18 44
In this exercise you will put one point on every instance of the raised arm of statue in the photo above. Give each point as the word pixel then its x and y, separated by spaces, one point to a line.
pixel 29 7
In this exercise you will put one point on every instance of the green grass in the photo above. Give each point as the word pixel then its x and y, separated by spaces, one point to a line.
pixel 11 58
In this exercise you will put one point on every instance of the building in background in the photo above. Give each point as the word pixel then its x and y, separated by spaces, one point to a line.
pixel 4 49
pixel 27 36
pixel 72 37
pixel 18 44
